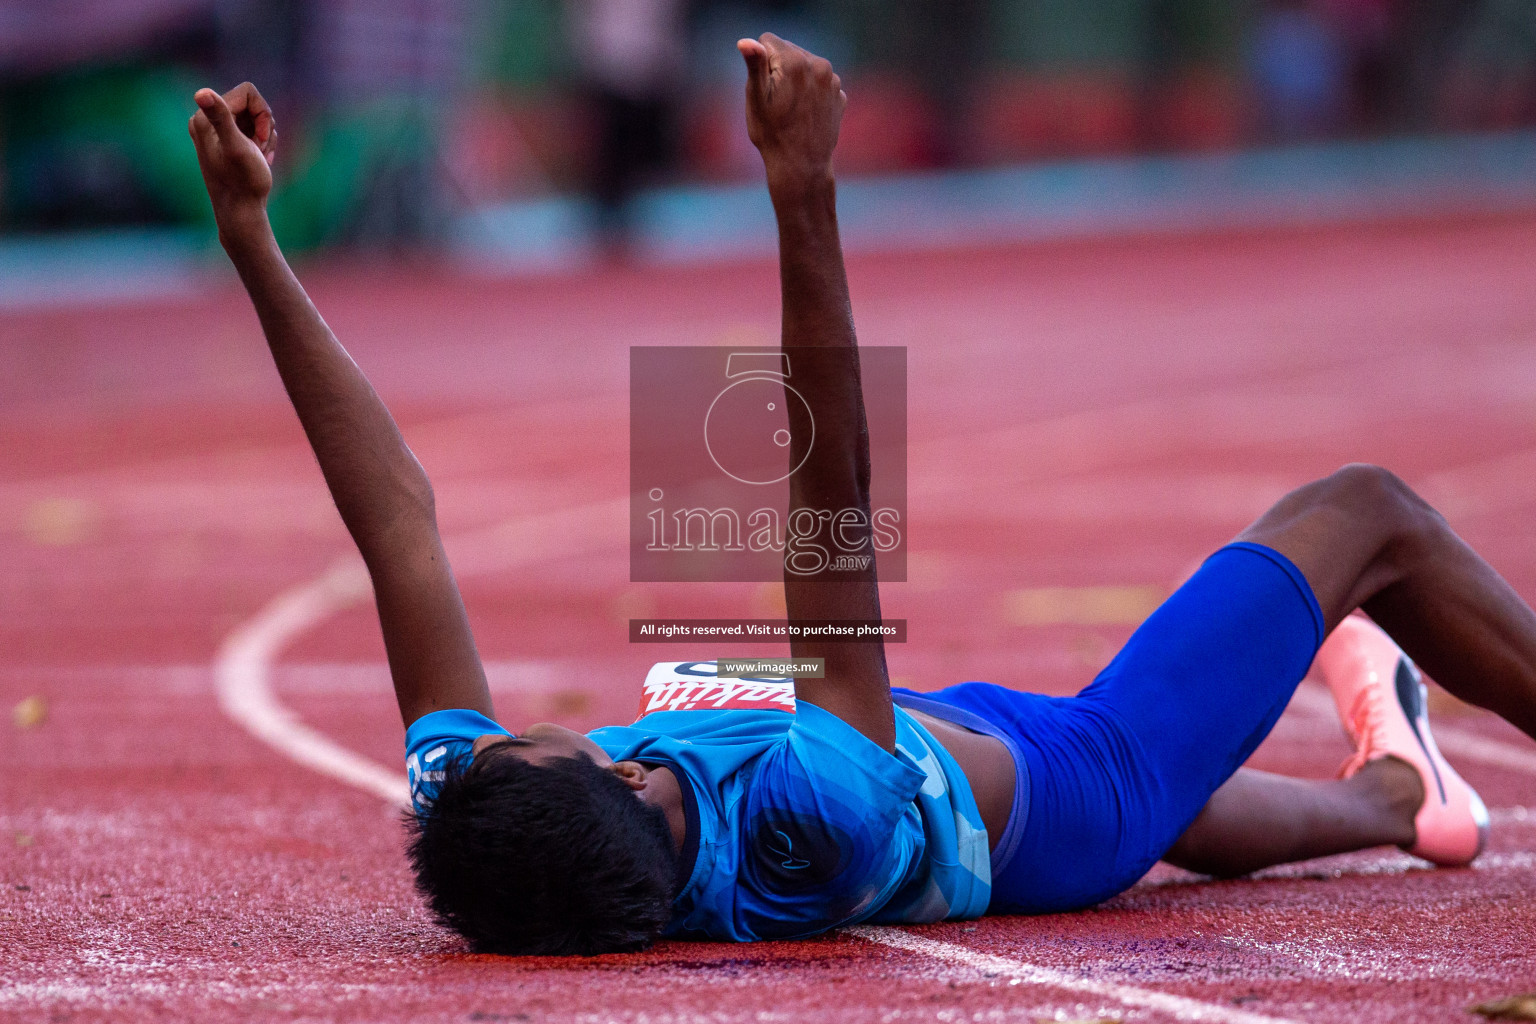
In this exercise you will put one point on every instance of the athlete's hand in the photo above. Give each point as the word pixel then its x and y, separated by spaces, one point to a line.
pixel 236 140
pixel 794 108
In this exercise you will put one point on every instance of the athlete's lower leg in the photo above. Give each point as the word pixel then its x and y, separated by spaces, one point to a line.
pixel 1364 540
pixel 1257 820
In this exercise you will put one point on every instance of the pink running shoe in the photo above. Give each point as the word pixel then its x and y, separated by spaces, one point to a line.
pixel 1382 701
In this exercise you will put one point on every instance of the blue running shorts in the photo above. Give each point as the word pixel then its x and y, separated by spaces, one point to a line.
pixel 1109 779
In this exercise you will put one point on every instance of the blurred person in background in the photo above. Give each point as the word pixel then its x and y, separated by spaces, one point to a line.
pixel 632 57
pixel 1366 29
pixel 1300 71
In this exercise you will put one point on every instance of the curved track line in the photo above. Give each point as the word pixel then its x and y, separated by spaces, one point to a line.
pixel 243 671
pixel 1179 1006
pixel 242 679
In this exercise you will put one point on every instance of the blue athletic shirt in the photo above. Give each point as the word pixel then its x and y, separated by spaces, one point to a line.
pixel 797 822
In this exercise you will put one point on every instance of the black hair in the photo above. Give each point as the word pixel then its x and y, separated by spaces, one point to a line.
pixel 557 858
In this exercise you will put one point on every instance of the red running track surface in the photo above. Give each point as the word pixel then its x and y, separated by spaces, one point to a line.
pixel 1088 415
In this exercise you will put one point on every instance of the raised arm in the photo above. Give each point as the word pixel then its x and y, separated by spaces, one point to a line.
pixel 794 107
pixel 379 488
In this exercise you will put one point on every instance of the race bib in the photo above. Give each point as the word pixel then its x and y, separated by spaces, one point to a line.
pixel 693 685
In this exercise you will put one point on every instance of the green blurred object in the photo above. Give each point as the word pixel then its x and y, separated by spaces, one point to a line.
pixel 1125 36
pixel 109 147
pixel 1061 35
pixel 360 178
pixel 519 44
pixel 103 145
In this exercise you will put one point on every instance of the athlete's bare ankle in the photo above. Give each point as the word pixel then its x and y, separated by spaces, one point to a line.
pixel 1396 788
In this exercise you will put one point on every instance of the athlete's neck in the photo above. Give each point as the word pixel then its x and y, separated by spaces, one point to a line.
pixel 664 791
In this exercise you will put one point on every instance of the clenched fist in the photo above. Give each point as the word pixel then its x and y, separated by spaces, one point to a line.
pixel 236 140
pixel 794 107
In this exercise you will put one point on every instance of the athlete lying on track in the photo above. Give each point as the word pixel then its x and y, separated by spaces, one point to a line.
pixel 868 804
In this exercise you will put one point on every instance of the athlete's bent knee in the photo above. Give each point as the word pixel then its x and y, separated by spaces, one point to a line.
pixel 1379 496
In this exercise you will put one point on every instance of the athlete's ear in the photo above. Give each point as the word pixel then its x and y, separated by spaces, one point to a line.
pixel 631 773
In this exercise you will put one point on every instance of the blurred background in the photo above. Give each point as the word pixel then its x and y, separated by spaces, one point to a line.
pixel 530 133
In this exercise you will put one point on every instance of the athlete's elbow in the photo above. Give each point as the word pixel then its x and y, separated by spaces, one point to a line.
pixel 410 490
pixel 417 497
pixel 406 507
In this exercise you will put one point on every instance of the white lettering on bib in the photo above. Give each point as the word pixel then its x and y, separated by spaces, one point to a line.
pixel 693 685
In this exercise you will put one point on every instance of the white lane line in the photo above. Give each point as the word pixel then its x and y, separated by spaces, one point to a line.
pixel 1313 699
pixel 1178 1006
pixel 1392 863
pixel 1353 865
pixel 242 679
pixel 243 670
pixel 1502 816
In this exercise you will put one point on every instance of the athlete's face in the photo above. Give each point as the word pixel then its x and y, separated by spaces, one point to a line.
pixel 543 742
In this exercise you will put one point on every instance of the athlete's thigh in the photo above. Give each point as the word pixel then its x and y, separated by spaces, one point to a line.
pixel 1116 774
pixel 1203 680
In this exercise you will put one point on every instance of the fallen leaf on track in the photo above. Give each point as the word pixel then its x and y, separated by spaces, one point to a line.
pixel 1513 1008
pixel 29 711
